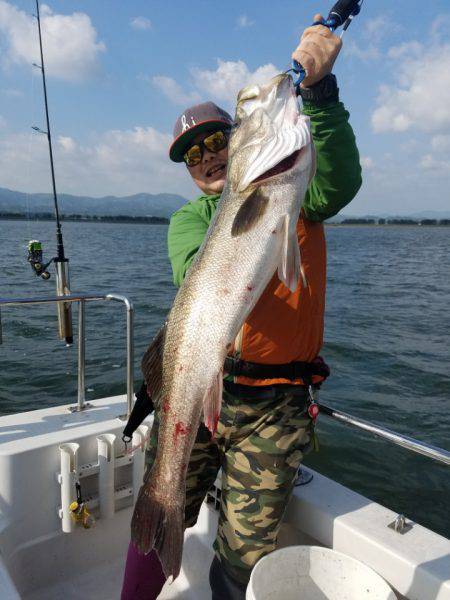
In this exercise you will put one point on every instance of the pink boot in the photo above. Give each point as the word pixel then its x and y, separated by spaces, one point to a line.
pixel 144 577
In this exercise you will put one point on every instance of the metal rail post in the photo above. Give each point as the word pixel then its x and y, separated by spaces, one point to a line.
pixel 81 405
pixel 130 348
pixel 82 299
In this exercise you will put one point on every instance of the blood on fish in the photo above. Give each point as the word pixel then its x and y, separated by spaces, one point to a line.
pixel 180 429
pixel 165 407
pixel 212 426
pixel 249 287
pixel 180 368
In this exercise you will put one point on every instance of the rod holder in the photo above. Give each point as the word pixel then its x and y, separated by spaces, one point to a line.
pixel 69 468
pixel 106 459
pixel 139 437
pixel 64 308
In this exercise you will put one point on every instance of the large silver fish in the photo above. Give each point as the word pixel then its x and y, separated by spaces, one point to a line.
pixel 253 233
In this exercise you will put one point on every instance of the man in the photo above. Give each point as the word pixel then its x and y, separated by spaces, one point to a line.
pixel 264 427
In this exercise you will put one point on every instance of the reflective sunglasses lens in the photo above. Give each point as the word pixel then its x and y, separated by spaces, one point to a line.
pixel 216 142
pixel 193 156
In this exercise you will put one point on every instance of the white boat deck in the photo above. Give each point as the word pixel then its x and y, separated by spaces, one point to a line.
pixel 43 562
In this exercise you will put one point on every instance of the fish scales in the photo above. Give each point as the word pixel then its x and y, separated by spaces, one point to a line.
pixel 253 233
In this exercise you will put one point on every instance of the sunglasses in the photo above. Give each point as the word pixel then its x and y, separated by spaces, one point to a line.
pixel 215 142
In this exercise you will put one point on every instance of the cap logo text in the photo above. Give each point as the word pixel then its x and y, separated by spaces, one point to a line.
pixel 185 125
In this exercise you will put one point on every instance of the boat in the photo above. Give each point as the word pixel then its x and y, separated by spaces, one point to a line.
pixel 47 456
pixel 68 484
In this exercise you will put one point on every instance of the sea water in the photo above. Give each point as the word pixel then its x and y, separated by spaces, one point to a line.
pixel 386 340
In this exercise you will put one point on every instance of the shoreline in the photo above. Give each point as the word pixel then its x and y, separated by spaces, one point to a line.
pixel 86 219
pixel 387 224
pixel 165 221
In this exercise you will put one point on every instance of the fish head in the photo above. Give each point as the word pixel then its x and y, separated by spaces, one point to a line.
pixel 270 137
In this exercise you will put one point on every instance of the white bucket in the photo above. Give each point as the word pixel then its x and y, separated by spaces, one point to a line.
pixel 314 573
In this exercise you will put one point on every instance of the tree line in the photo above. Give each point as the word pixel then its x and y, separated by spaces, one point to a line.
pixel 92 218
pixel 398 221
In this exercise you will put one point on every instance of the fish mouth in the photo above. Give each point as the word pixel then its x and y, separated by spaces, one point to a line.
pixel 284 165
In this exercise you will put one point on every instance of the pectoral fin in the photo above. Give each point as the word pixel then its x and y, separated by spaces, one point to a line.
pixel 290 269
pixel 250 212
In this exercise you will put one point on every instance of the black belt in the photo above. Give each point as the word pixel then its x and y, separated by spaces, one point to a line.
pixel 291 371
pixel 237 367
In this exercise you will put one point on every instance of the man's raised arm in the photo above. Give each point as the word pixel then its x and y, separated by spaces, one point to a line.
pixel 338 171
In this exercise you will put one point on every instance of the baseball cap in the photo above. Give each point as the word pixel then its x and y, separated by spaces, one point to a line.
pixel 194 120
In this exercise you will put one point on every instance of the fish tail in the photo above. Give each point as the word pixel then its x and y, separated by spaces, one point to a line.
pixel 169 543
pixel 156 525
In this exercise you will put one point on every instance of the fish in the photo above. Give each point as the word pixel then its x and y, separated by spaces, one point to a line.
pixel 253 235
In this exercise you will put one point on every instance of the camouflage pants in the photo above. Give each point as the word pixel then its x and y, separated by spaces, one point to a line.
pixel 259 445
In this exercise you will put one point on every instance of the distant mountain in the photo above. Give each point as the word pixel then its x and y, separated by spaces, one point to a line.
pixel 139 205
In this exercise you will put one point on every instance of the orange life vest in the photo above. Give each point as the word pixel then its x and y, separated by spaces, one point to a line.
pixel 284 326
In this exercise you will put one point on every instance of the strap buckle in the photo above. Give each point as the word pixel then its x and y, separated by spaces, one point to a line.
pixel 233 366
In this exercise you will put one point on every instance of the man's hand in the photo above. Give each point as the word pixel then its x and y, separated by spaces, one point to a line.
pixel 317 52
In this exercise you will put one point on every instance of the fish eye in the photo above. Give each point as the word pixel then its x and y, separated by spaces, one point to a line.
pixel 248 93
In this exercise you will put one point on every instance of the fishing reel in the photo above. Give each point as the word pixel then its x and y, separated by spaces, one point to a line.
pixel 35 258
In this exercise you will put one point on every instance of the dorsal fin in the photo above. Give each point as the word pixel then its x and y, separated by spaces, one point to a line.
pixel 250 212
pixel 152 363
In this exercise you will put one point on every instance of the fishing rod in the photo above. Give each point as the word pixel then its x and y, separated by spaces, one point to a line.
pixel 342 14
pixel 35 252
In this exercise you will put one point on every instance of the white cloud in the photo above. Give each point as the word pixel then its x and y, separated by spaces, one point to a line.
pixel 400 184
pixel 116 162
pixel 174 91
pixel 378 27
pixel 373 32
pixel 243 21
pixel 440 143
pixel 225 82
pixel 12 93
pixel 70 42
pixel 420 99
pixel 141 23
pixel 221 84
pixel 419 102
pixel 405 50
pixel 67 144
pixel 439 27
pixel 432 163
pixel 367 162
pixel 365 52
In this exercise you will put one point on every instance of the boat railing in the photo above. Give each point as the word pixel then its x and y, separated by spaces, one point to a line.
pixel 82 299
pixel 411 444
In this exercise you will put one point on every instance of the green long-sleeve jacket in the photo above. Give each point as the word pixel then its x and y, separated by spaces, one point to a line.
pixel 336 182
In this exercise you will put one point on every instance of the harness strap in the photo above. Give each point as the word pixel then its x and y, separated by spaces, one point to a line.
pixel 291 371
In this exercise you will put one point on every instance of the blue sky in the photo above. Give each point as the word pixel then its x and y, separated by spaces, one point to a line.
pixel 119 73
